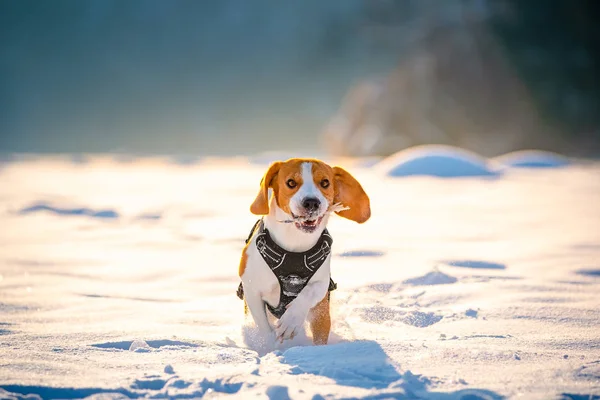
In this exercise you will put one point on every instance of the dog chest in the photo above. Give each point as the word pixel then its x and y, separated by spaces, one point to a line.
pixel 259 278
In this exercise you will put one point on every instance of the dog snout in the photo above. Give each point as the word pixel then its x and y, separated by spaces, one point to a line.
pixel 311 204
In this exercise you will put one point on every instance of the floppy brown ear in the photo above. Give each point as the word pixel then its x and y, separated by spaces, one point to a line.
pixel 349 192
pixel 260 206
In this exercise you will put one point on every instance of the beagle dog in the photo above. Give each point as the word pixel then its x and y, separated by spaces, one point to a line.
pixel 285 265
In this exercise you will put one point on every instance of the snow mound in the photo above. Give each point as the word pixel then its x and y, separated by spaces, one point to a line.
pixel 431 278
pixel 532 159
pixel 139 346
pixel 435 160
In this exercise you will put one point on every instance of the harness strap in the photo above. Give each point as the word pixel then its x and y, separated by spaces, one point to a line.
pixel 240 289
pixel 274 256
pixel 252 230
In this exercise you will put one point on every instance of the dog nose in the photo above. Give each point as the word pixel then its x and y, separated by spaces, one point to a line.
pixel 311 204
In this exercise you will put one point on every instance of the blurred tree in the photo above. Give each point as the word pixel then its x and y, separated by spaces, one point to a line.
pixel 555 45
pixel 491 76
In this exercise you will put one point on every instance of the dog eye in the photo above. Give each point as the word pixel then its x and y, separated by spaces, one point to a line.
pixel 325 183
pixel 291 183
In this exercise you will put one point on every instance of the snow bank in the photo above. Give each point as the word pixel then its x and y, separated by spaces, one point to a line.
pixel 532 159
pixel 435 160
pixel 431 278
pixel 453 162
pixel 139 346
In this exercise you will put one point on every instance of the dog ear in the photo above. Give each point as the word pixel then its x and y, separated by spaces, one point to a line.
pixel 260 206
pixel 349 193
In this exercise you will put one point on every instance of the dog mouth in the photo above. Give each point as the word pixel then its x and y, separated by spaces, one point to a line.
pixel 307 224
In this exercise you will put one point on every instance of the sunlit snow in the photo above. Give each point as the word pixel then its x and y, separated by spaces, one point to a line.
pixel 118 279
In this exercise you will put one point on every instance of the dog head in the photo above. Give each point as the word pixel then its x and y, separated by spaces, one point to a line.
pixel 307 189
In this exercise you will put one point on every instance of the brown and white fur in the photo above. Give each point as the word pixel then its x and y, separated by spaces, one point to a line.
pixel 304 194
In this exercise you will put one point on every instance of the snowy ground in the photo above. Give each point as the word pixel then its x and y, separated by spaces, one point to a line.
pixel 473 287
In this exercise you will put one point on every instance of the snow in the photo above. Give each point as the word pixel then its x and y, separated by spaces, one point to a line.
pixel 532 159
pixel 169 369
pixel 478 264
pixel 471 313
pixel 69 211
pixel 117 280
pixel 138 345
pixel 431 278
pixel 361 253
pixel 452 162
pixel 435 160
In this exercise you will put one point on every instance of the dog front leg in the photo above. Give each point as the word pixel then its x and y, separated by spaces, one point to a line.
pixel 295 315
pixel 257 310
pixel 320 321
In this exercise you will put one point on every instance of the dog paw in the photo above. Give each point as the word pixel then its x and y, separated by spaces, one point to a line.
pixel 290 324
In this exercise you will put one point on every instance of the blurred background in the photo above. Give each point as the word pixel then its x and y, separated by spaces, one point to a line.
pixel 347 77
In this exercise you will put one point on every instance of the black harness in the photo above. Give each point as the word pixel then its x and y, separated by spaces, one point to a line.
pixel 293 270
